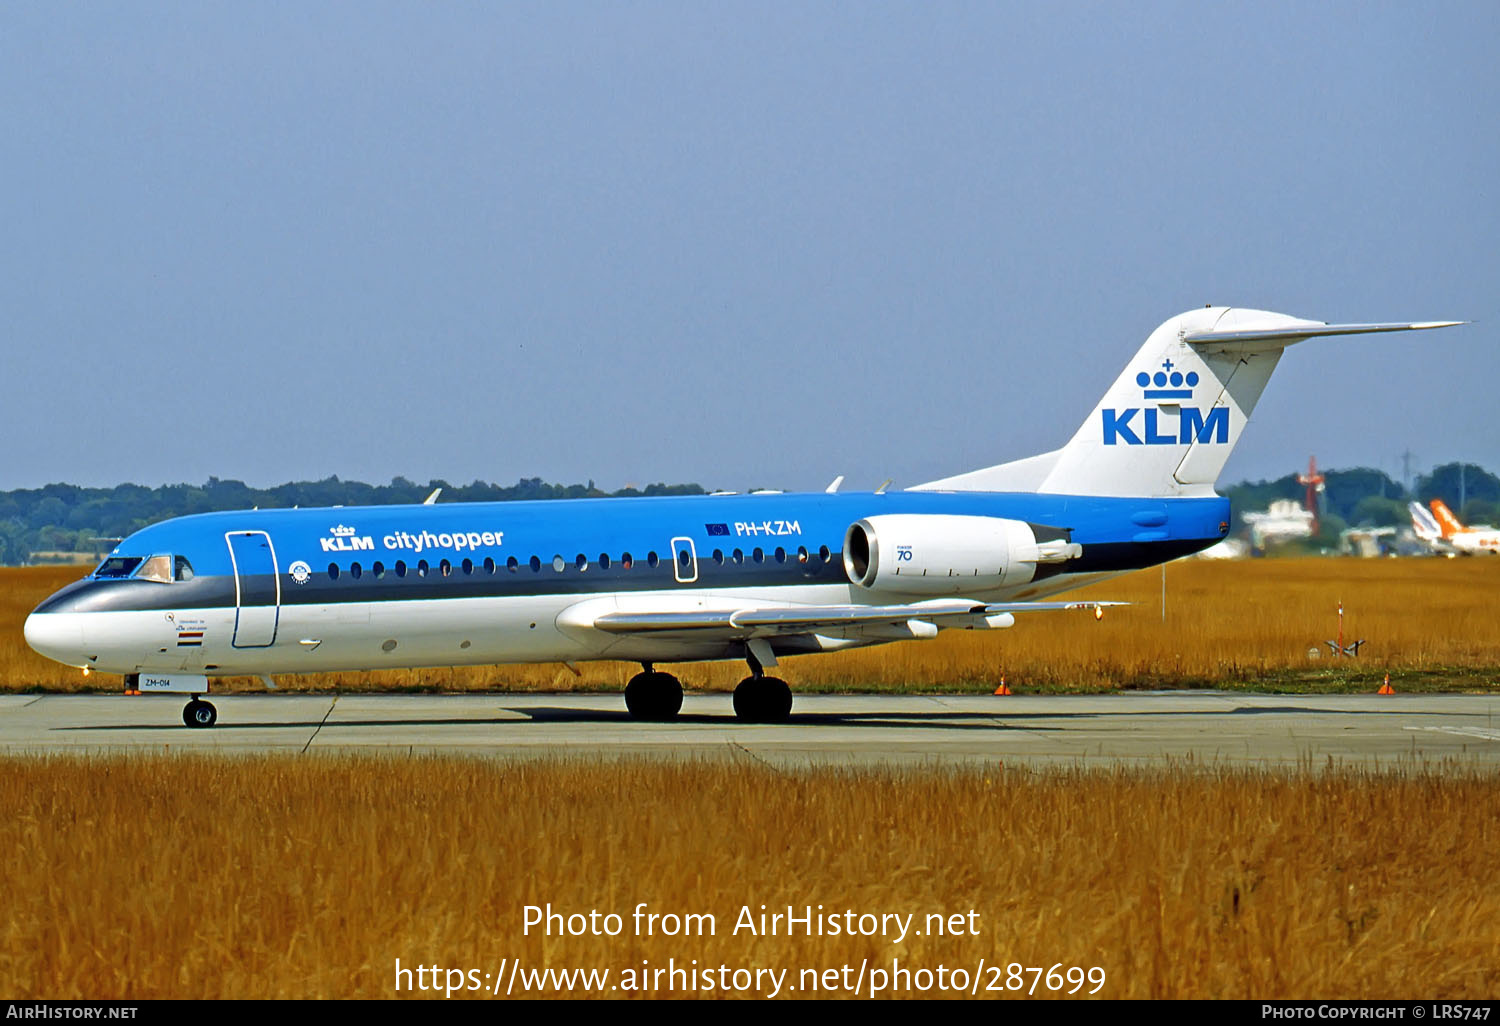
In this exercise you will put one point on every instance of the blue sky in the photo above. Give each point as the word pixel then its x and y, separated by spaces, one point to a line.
pixel 739 244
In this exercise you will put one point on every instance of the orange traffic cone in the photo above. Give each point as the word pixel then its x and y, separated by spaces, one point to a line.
pixel 1386 689
pixel 1003 689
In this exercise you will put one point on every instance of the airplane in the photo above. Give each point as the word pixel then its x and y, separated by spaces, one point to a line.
pixel 1481 539
pixel 1425 526
pixel 753 577
pixel 1285 520
pixel 1229 548
pixel 1368 542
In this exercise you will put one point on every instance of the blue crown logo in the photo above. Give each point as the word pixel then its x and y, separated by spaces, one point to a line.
pixel 1169 383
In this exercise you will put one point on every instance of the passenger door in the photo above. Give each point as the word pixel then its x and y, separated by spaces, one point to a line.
pixel 257 588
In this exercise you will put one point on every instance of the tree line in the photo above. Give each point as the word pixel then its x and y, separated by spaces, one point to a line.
pixel 63 518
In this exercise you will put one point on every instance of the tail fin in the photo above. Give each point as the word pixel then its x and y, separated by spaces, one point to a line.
pixel 1169 422
pixel 1423 522
pixel 1451 524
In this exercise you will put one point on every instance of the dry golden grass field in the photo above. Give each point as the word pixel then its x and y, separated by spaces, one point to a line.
pixel 1430 623
pixel 156 876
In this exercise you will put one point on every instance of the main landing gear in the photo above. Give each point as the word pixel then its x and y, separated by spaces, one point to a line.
pixel 198 713
pixel 652 695
pixel 762 699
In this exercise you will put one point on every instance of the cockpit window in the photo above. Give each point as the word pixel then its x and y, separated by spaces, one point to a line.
pixel 118 566
pixel 152 568
pixel 156 568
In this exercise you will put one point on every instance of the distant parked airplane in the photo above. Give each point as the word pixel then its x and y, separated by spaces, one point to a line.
pixel 1285 520
pixel 1425 526
pixel 753 577
pixel 1481 539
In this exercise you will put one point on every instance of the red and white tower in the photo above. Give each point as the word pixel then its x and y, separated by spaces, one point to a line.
pixel 1314 482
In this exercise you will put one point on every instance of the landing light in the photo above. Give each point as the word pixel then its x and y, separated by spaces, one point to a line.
pixel 1098 612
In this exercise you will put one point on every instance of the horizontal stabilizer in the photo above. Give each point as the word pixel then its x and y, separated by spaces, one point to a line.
pixel 1288 334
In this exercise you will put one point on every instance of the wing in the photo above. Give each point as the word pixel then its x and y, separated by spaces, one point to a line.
pixel 745 624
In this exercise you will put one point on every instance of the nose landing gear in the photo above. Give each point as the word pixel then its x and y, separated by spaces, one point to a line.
pixel 198 713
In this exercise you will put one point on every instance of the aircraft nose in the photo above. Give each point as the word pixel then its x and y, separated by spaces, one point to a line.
pixel 58 636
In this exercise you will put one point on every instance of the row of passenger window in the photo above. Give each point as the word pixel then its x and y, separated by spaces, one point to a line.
pixel 758 555
pixel 581 563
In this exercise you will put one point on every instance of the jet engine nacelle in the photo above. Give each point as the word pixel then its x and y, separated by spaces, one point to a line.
pixel 939 554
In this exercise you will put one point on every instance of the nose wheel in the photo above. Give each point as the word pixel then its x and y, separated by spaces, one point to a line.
pixel 652 695
pixel 199 713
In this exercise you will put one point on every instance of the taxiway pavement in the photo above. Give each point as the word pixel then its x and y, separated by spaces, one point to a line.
pixel 1201 728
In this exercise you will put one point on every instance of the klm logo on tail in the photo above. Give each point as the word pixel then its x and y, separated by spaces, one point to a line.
pixel 1172 386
